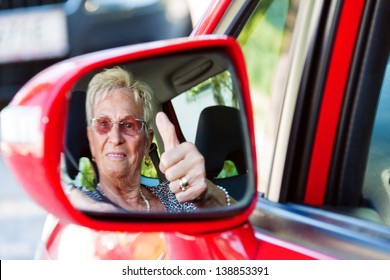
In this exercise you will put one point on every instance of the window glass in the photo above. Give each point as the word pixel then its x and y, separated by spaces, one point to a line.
pixel 266 41
pixel 217 90
pixel 376 187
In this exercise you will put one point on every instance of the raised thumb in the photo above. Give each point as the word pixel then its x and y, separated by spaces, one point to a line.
pixel 167 131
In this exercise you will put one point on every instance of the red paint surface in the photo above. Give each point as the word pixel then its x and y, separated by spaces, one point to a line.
pixel 332 101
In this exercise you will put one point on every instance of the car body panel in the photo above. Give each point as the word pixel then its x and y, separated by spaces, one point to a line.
pixel 240 243
pixel 333 96
pixel 211 18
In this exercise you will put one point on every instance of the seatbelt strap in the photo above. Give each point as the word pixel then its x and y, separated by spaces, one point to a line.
pixel 156 161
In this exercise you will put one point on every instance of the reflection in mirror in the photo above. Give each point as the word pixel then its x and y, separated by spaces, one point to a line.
pixel 217 134
pixel 158 135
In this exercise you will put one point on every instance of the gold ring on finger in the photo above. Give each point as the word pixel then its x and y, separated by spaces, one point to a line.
pixel 183 182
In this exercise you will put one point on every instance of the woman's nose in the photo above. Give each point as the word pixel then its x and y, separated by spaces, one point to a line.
pixel 115 135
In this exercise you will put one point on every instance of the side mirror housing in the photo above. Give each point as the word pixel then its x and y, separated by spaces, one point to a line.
pixel 34 125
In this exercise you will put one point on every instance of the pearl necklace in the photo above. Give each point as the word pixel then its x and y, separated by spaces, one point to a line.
pixel 145 200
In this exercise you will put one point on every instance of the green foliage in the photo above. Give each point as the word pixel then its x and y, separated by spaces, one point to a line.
pixel 229 170
pixel 148 171
pixel 263 39
pixel 220 85
pixel 86 176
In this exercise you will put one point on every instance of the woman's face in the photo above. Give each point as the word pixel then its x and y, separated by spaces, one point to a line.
pixel 118 155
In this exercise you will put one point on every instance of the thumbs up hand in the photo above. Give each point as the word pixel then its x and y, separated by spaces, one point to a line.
pixel 182 163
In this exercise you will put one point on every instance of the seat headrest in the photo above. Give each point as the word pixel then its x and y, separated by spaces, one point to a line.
pixel 219 138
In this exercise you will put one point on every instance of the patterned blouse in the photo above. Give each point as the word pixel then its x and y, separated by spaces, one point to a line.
pixel 162 191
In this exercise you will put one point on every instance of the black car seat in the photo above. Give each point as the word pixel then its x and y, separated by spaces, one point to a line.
pixel 76 142
pixel 219 138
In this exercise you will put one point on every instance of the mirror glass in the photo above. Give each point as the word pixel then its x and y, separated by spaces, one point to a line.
pixel 122 156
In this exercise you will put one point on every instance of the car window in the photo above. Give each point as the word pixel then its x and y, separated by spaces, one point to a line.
pixel 217 90
pixel 266 43
pixel 214 92
pixel 376 188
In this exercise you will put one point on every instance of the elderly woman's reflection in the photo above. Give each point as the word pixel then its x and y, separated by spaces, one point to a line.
pixel 118 110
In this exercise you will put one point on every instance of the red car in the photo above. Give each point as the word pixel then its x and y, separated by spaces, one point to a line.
pixel 286 100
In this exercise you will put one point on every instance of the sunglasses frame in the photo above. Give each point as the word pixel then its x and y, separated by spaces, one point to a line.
pixel 120 124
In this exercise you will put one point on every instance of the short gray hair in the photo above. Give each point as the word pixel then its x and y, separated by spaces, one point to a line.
pixel 117 78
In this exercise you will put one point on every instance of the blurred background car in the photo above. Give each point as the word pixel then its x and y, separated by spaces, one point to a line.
pixel 35 34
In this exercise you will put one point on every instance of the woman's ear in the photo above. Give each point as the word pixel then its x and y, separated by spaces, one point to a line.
pixel 149 141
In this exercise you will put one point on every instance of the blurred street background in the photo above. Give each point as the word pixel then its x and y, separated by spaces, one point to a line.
pixel 21 220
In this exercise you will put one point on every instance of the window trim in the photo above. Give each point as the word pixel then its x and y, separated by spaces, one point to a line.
pixel 322 233
pixel 359 111
pixel 306 25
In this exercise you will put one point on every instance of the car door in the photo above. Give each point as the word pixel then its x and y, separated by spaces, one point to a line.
pixel 316 69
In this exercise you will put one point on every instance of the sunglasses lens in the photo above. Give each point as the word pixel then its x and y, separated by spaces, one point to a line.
pixel 130 126
pixel 103 125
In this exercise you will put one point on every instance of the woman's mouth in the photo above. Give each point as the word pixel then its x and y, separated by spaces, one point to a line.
pixel 116 155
